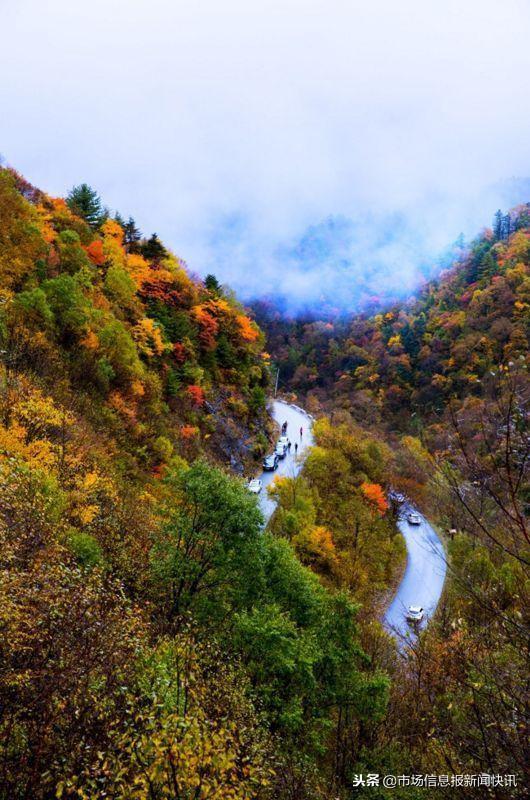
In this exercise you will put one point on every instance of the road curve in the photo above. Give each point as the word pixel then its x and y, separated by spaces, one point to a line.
pixel 424 576
pixel 291 465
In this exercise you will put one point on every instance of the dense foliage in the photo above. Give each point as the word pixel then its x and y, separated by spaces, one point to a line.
pixel 156 643
pixel 408 361
pixel 445 379
pixel 337 514
pixel 120 331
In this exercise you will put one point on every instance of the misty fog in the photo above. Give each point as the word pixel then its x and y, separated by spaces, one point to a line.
pixel 304 148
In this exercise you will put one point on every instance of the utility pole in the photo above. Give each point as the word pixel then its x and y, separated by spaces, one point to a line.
pixel 276 384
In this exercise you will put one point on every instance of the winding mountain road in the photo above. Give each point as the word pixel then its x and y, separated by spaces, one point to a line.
pixel 424 577
pixel 291 465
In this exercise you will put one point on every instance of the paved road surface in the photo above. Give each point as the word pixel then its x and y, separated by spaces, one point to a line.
pixel 291 465
pixel 424 576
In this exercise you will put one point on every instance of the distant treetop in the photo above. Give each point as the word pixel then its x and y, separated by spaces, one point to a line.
pixel 86 203
pixel 212 284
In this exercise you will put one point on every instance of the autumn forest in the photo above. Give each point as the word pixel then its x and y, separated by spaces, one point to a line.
pixel 161 640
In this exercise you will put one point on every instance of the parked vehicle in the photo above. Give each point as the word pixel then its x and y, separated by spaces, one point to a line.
pixel 270 463
pixel 284 440
pixel 415 613
pixel 413 519
pixel 255 485
pixel 281 450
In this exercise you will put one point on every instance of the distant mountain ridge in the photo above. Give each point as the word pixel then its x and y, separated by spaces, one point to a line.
pixel 418 354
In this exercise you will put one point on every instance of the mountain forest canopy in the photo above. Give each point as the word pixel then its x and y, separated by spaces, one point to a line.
pixel 157 641
pixel 444 379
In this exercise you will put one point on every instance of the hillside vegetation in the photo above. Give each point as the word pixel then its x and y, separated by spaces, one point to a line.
pixel 445 380
pixel 156 643
pixel 114 326
pixel 410 360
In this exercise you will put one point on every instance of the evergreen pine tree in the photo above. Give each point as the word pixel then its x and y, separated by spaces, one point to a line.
pixel 119 219
pixel 212 284
pixel 132 236
pixel 497 225
pixel 153 249
pixel 85 202
pixel 477 253
pixel 487 267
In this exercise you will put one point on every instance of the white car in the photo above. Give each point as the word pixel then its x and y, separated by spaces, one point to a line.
pixel 284 440
pixel 415 613
pixel 413 519
pixel 281 450
pixel 255 486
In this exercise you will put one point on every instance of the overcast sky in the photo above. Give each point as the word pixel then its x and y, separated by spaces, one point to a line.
pixel 232 127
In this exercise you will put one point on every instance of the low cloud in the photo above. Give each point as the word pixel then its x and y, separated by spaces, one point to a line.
pixel 342 264
pixel 285 146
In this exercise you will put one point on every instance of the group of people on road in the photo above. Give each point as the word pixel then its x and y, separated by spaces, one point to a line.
pixel 284 431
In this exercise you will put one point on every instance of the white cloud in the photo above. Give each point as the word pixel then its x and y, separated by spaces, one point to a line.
pixel 187 114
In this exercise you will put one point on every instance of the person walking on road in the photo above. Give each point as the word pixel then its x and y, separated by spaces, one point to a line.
pixel 296 447
pixel 301 432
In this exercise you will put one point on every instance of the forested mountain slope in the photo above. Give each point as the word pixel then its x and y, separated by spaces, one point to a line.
pixel 155 642
pixel 444 379
pixel 114 326
pixel 415 357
